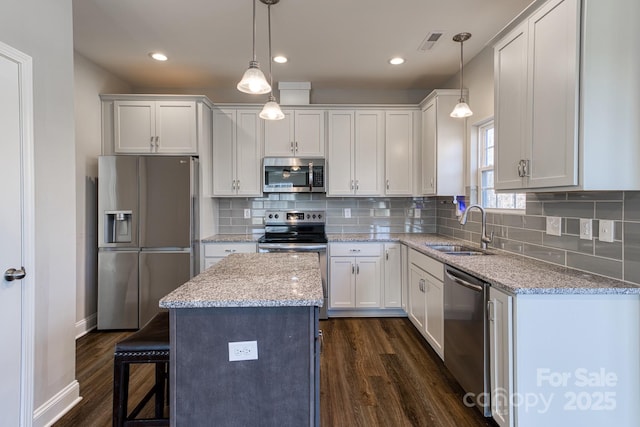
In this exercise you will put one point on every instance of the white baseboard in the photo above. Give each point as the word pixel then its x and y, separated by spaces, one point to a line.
pixel 86 325
pixel 52 410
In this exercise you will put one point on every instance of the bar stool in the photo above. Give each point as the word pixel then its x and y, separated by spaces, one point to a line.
pixel 148 345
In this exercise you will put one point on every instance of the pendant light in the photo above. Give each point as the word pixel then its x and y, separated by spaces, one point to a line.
pixel 253 80
pixel 461 110
pixel 271 110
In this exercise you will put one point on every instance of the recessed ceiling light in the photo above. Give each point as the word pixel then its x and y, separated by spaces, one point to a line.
pixel 158 56
pixel 280 59
pixel 396 61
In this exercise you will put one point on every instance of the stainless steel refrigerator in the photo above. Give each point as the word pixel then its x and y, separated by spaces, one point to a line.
pixel 147 234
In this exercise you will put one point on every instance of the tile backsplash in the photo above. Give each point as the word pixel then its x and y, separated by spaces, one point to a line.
pixel 517 233
pixel 526 234
pixel 368 214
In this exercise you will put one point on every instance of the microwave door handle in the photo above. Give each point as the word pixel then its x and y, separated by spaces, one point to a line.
pixel 310 176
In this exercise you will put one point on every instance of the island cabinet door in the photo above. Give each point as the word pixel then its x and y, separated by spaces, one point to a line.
pixel 211 384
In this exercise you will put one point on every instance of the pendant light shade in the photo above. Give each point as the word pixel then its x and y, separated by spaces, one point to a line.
pixel 253 80
pixel 271 110
pixel 461 110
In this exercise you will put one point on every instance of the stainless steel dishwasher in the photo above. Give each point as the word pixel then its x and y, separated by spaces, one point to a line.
pixel 466 336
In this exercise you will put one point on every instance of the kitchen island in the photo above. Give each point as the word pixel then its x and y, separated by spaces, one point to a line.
pixel 244 343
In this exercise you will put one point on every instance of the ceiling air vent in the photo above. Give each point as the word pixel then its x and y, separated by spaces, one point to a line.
pixel 430 41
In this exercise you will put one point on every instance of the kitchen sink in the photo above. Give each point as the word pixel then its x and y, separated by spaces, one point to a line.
pixel 456 249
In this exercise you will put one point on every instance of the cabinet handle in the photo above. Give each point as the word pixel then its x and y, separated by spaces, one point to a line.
pixel 523 168
pixel 238 185
pixel 431 182
pixel 233 184
pixel 291 146
pixel 387 184
pixel 353 269
pixel 352 184
pixel 357 269
pixel 354 250
pixel 387 254
pixel 321 337
pixel 490 313
pixel 296 146
pixel 230 251
pixel 357 184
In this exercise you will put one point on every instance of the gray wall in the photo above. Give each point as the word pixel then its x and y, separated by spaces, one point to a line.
pixel 90 80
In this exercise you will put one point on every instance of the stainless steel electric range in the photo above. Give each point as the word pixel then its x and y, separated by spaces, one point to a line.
pixel 297 231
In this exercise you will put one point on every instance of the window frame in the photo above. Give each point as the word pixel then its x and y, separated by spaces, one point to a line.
pixel 483 166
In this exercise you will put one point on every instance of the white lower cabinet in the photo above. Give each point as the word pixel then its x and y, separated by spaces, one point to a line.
pixel 392 275
pixel 213 253
pixel 426 298
pixel 501 355
pixel 355 276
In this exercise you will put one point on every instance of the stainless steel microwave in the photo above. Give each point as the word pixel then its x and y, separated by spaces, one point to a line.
pixel 294 175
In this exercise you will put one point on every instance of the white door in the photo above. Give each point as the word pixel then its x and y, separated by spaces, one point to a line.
pixel 16 238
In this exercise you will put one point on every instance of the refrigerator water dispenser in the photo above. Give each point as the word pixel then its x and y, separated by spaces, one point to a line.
pixel 117 226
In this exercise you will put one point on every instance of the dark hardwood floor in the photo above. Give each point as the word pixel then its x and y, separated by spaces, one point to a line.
pixel 374 372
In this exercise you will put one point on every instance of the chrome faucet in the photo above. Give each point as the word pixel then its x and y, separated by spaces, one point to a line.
pixel 484 239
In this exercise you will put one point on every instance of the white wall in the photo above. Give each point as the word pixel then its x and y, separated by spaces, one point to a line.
pixel 43 30
pixel 478 79
pixel 90 80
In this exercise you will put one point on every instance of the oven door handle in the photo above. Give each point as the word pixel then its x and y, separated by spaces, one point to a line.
pixel 274 247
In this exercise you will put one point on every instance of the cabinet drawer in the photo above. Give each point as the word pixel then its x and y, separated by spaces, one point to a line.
pixel 356 249
pixel 428 264
pixel 224 249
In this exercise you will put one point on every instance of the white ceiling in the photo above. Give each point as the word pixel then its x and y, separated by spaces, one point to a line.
pixel 334 44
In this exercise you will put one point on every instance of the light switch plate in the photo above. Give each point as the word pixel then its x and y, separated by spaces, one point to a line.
pixel 606 230
pixel 247 213
pixel 554 225
pixel 586 229
pixel 347 212
pixel 417 212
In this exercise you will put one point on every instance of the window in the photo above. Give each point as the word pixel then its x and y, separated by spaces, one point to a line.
pixel 487 195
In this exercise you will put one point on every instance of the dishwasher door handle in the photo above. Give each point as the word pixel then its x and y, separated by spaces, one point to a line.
pixel 463 282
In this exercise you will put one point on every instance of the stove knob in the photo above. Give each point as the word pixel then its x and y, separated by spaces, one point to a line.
pixel 314 216
pixel 308 216
pixel 319 216
pixel 270 216
pixel 277 216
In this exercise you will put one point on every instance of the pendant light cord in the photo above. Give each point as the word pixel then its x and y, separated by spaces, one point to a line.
pixel 461 71
pixel 254 30
pixel 270 60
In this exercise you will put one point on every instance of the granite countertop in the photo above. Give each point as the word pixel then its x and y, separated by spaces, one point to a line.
pixel 513 273
pixel 253 280
pixel 231 238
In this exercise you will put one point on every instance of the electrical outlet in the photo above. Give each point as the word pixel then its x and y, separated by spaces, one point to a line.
pixel 554 225
pixel 605 230
pixel 586 230
pixel 243 350
pixel 247 213
pixel 347 212
pixel 417 212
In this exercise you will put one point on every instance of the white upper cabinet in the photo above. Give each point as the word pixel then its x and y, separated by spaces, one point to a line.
pixel 442 145
pixel 356 153
pixel 163 126
pixel 399 152
pixel 562 99
pixel 536 103
pixel 154 124
pixel 236 152
pixel 299 134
